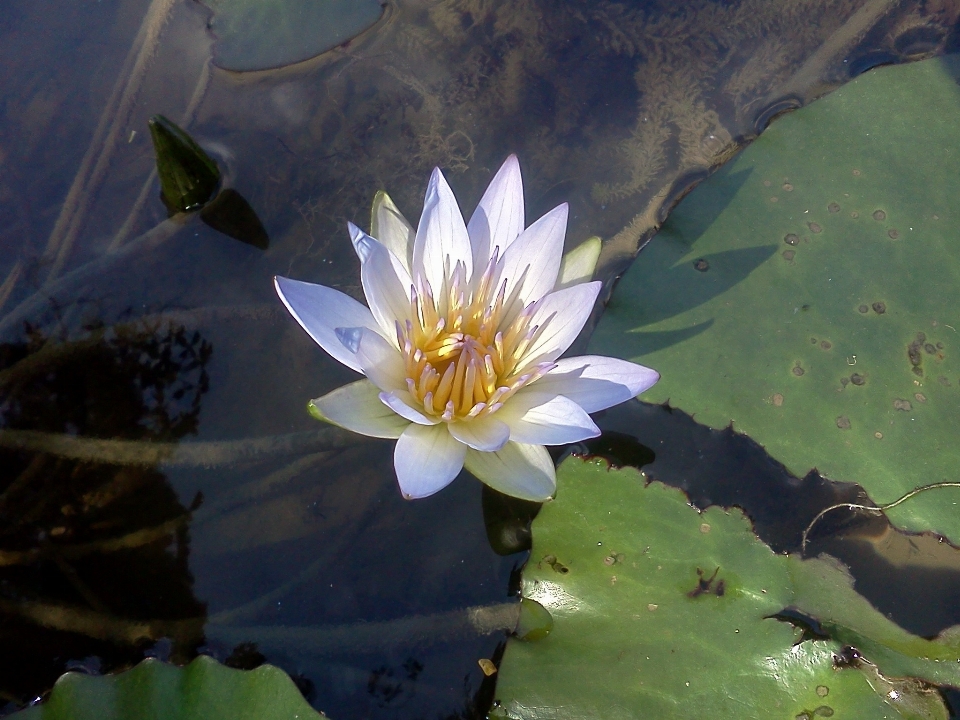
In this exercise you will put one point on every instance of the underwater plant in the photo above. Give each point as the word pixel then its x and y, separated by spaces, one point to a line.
pixel 461 340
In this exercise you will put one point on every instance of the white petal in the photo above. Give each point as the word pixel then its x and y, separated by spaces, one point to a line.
pixel 560 316
pixel 596 382
pixel 379 360
pixel 522 471
pixel 358 240
pixel 390 227
pixel 531 264
pixel 401 402
pixel 578 265
pixel 386 284
pixel 486 433
pixel 442 238
pixel 498 219
pixel 320 311
pixel 544 418
pixel 357 407
pixel 427 459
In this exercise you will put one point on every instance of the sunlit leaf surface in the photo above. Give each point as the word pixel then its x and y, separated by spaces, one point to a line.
pixel 809 293
pixel 662 611
pixel 204 690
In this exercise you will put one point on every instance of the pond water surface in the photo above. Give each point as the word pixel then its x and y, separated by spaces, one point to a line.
pixel 158 467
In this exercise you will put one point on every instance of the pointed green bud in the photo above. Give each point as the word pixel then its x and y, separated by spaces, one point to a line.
pixel 188 177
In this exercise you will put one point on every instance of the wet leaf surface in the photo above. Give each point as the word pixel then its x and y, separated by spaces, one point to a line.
pixel 203 690
pixel 664 611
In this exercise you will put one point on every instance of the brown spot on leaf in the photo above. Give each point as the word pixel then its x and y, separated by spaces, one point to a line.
pixel 708 585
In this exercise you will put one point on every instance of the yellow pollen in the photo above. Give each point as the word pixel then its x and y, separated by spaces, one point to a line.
pixel 462 356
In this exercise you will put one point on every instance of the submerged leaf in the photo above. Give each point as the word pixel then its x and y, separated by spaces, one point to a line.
pixel 263 34
pixel 662 611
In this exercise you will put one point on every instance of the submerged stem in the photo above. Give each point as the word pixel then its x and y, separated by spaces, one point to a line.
pixel 104 626
pixel 185 454
pixel 97 159
pixel 199 91
pixel 321 640
pixel 135 539
pixel 151 239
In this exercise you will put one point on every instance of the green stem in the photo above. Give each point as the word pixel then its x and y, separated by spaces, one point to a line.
pixel 875 509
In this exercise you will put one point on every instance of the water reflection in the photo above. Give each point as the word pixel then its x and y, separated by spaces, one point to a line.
pixel 94 549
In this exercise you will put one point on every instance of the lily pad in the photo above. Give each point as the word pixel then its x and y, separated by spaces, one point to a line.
pixel 203 690
pixel 662 611
pixel 264 34
pixel 809 293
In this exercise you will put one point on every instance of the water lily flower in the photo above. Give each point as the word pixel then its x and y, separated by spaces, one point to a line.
pixel 461 338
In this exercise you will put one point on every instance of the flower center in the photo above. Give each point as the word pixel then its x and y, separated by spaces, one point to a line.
pixel 464 353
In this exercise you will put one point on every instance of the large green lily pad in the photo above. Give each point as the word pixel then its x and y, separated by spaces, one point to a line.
pixel 662 611
pixel 203 690
pixel 809 292
pixel 263 34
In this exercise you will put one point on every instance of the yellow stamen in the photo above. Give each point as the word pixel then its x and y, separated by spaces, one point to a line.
pixel 464 353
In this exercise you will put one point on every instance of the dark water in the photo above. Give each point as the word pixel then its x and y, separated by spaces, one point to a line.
pixel 163 490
